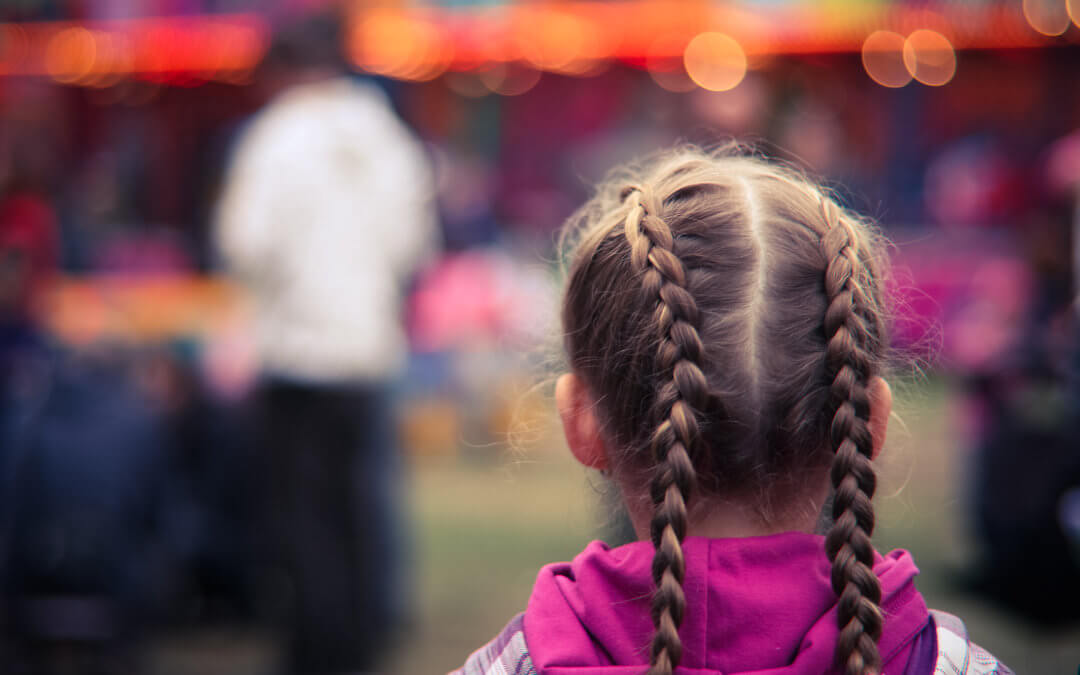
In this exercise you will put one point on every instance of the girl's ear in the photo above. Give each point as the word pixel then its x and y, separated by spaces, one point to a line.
pixel 580 425
pixel 880 409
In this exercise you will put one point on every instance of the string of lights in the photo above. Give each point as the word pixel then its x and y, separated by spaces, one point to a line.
pixel 504 48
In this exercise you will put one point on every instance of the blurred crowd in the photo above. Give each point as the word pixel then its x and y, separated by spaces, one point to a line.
pixel 150 394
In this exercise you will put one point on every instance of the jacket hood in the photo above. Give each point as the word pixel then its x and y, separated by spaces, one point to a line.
pixel 760 605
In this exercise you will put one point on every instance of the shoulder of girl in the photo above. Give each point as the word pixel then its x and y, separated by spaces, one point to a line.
pixel 507 654
pixel 957 654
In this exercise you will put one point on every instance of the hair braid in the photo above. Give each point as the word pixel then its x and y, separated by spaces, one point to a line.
pixel 678 357
pixel 850 366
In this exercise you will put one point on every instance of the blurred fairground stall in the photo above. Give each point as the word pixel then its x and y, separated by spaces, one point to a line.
pixel 949 122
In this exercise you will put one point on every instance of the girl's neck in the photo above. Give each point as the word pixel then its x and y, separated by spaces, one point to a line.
pixel 719 518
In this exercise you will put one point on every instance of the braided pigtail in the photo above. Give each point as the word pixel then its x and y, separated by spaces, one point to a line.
pixel 676 436
pixel 850 366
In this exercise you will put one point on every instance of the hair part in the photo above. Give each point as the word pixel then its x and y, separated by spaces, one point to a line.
pixel 728 315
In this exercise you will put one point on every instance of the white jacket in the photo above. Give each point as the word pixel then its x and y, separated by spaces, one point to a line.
pixel 327 210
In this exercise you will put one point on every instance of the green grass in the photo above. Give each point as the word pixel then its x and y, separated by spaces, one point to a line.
pixel 483 531
pixel 485 524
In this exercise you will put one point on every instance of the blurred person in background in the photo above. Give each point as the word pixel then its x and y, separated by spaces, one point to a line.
pixel 83 476
pixel 325 215
pixel 28 255
pixel 1026 469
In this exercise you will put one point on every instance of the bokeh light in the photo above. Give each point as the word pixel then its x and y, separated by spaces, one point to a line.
pixel 1072 7
pixel 179 51
pixel 883 58
pixel 715 61
pixel 112 60
pixel 237 47
pixel 1049 17
pixel 382 42
pixel 390 43
pixel 70 54
pixel 556 39
pixel 930 57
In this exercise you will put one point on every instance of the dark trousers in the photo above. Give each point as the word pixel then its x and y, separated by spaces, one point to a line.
pixel 332 527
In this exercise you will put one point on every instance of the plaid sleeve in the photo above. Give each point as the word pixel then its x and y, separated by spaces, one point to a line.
pixel 957 655
pixel 505 655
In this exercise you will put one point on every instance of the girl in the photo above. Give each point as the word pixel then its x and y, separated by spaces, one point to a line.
pixel 726 329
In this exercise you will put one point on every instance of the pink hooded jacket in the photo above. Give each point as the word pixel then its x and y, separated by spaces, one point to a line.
pixel 761 605
pixel 755 606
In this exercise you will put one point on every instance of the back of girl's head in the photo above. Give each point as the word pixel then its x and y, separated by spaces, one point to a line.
pixel 727 316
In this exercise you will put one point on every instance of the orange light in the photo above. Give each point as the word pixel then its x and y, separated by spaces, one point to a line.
pixel 555 39
pixel 217 57
pixel 250 42
pixel 98 54
pixel 715 61
pixel 436 60
pixel 111 60
pixel 929 57
pixel 1049 17
pixel 883 58
pixel 1073 9
pixel 393 44
pixel 225 48
pixel 579 37
pixel 70 54
pixel 584 68
pixel 572 44
pixel 664 65
pixel 383 42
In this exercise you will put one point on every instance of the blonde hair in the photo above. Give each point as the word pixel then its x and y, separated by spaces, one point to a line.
pixel 727 315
